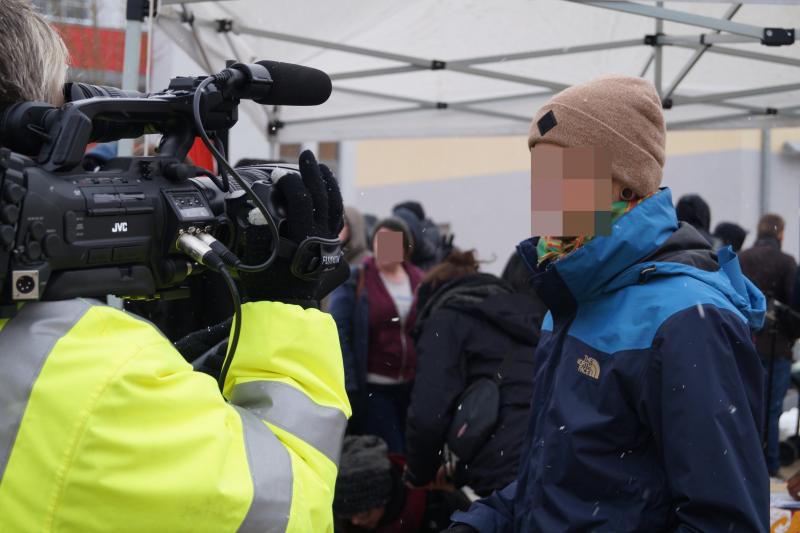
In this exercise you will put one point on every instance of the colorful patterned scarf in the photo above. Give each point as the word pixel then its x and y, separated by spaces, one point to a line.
pixel 555 248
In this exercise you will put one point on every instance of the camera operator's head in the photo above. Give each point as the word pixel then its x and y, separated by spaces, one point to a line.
pixel 33 58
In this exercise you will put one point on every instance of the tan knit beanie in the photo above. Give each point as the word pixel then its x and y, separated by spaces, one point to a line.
pixel 620 113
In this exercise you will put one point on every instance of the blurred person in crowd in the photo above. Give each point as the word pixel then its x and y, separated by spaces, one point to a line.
pixel 370 221
pixel 692 209
pixel 375 314
pixel 517 274
pixel 470 326
pixel 647 397
pixel 774 273
pixel 730 234
pixel 353 237
pixel 371 496
pixel 427 240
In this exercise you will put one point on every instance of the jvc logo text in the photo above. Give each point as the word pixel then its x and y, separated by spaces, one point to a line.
pixel 120 227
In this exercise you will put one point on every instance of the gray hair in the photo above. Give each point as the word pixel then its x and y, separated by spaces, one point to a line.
pixel 33 58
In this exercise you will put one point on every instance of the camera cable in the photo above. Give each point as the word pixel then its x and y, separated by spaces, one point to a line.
pixel 223 163
pixel 237 325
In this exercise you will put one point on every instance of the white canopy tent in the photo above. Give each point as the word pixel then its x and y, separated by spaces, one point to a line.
pixel 454 68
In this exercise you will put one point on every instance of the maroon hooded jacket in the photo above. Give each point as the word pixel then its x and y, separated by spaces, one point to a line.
pixel 390 347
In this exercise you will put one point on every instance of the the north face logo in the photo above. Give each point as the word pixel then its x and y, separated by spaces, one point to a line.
pixel 589 366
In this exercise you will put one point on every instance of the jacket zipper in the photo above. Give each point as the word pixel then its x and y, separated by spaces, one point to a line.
pixel 402 344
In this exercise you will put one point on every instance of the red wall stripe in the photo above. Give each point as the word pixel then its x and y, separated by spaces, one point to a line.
pixel 98 48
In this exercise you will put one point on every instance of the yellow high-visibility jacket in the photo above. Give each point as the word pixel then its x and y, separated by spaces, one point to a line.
pixel 105 427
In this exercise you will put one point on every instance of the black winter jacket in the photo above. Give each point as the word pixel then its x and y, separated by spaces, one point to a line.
pixel 464 330
pixel 773 272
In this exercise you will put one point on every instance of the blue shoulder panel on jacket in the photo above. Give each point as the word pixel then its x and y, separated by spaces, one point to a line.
pixel 638 311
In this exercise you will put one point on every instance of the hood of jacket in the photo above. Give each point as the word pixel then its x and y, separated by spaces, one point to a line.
pixel 644 243
pixel 356 245
pixel 487 298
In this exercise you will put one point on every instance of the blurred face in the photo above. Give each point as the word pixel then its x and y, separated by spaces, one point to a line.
pixel 368 519
pixel 572 191
pixel 388 247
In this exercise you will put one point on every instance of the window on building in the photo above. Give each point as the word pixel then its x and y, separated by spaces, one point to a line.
pixel 77 11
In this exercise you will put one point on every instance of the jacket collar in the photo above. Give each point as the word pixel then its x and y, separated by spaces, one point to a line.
pixel 645 242
pixel 586 271
pixel 768 240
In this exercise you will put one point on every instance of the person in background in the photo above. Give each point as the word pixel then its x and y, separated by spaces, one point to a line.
pixel 692 209
pixel 516 274
pixel 470 325
pixel 730 234
pixel 370 221
pixel 375 314
pixel 353 237
pixel 427 240
pixel 371 496
pixel 647 397
pixel 773 272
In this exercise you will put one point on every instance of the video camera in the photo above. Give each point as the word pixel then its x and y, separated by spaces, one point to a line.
pixel 140 225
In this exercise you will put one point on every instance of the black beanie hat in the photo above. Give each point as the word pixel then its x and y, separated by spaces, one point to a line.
pixel 365 478
pixel 414 207
pixel 693 210
pixel 730 233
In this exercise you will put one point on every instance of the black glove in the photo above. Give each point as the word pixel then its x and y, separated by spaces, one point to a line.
pixel 313 206
pixel 460 528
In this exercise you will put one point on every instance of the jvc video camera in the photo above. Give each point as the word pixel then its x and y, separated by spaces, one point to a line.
pixel 140 225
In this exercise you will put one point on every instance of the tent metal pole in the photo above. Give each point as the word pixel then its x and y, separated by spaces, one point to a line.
pixel 374 72
pixel 319 43
pixel 274 135
pixel 460 106
pixel 749 54
pixel 696 56
pixel 496 99
pixel 682 17
pixel 130 66
pixel 364 114
pixel 489 113
pixel 743 107
pixel 555 86
pixel 765 169
pixel 647 64
pixel 716 97
pixel 549 52
pixel 708 120
pixel 705 39
pixel 416 61
pixel 658 56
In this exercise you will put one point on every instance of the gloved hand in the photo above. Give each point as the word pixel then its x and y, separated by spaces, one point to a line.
pixel 313 206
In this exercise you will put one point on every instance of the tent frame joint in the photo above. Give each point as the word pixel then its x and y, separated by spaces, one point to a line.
pixel 778 37
pixel 653 39
pixel 224 25
pixel 274 126
pixel 437 64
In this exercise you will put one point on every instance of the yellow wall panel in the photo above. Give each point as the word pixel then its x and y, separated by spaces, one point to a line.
pixel 391 161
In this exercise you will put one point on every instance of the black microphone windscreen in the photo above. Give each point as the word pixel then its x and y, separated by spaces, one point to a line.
pixel 295 85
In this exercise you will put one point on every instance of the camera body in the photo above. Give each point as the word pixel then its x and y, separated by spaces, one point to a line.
pixel 96 233
pixel 67 232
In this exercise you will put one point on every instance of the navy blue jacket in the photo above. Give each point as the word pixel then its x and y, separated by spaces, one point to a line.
pixel 648 390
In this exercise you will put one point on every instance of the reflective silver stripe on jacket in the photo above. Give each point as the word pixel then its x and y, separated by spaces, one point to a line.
pixel 271 472
pixel 283 405
pixel 25 342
